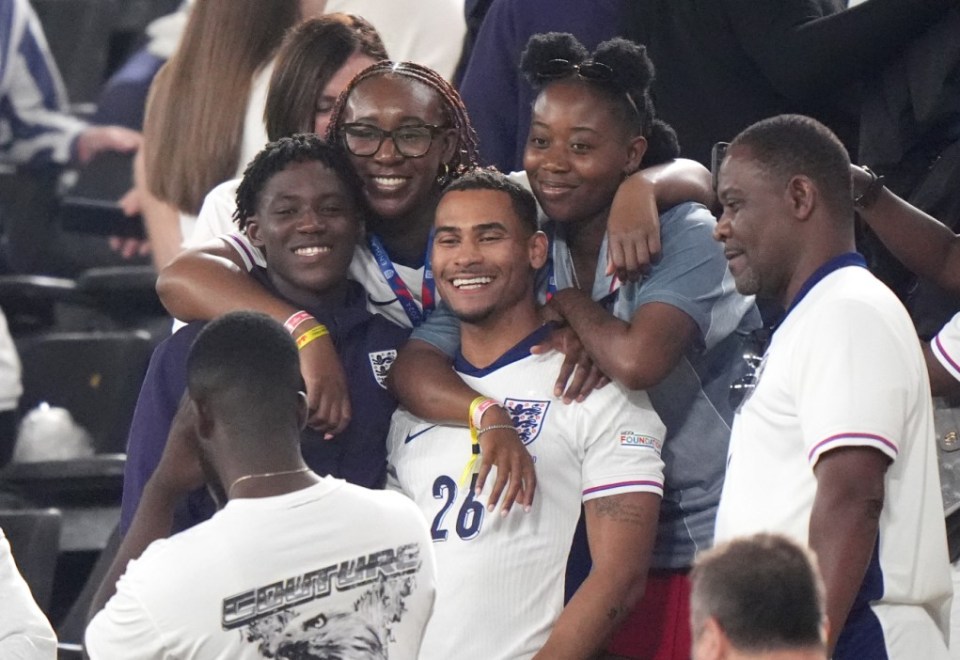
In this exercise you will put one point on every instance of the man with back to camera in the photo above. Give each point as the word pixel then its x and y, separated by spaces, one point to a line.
pixel 834 446
pixel 500 578
pixel 285 569
pixel 757 598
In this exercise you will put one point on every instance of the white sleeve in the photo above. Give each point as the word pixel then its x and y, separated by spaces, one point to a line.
pixel 946 347
pixel 124 627
pixel 400 423
pixel 852 387
pixel 622 438
pixel 25 633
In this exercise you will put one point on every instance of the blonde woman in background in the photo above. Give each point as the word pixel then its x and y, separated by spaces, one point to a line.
pixel 204 117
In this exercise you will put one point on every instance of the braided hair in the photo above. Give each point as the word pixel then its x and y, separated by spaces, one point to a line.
pixel 466 156
pixel 619 67
pixel 277 155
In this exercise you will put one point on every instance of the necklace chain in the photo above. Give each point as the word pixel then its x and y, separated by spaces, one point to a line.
pixel 263 475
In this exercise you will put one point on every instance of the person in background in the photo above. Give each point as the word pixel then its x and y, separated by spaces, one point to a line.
pixel 35 124
pixel 758 597
pixel 25 633
pixel 204 117
pixel 428 32
pixel 11 387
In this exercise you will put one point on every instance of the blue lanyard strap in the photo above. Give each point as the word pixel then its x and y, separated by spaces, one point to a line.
pixel 400 288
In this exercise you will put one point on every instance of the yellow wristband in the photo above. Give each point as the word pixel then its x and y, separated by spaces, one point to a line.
pixel 471 415
pixel 474 440
pixel 311 334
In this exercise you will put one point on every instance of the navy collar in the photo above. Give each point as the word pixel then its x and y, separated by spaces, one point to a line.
pixel 841 261
pixel 518 352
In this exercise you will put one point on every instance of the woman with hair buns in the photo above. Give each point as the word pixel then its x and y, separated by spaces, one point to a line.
pixel 677 333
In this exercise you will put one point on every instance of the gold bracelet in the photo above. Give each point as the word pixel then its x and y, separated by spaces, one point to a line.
pixel 311 334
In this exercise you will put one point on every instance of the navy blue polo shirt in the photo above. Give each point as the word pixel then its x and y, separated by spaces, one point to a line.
pixel 366 343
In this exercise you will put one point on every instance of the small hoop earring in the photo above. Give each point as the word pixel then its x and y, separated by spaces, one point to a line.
pixel 444 176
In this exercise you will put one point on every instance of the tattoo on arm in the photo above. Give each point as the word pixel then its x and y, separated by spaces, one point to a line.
pixel 622 509
pixel 616 613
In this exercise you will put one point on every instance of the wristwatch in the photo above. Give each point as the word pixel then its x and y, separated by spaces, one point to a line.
pixel 869 195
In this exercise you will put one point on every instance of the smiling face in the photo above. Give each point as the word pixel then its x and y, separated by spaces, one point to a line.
pixel 307 224
pixel 578 151
pixel 337 83
pixel 754 229
pixel 398 187
pixel 483 256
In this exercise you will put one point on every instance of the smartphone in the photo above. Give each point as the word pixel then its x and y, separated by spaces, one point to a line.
pixel 92 205
pixel 716 158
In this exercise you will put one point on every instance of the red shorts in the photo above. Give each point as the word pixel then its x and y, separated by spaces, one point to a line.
pixel 658 628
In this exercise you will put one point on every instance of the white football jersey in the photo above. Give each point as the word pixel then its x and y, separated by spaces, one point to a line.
pixel 501 580
pixel 844 369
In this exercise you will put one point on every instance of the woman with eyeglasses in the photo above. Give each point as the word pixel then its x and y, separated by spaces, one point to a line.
pixel 677 333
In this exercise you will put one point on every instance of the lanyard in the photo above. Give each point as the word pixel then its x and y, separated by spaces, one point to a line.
pixel 400 288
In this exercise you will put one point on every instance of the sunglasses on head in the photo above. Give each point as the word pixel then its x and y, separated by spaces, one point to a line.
pixel 588 70
pixel 559 68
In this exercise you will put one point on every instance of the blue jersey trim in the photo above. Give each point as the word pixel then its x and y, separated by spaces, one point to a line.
pixel 838 262
pixel 518 352
pixel 862 635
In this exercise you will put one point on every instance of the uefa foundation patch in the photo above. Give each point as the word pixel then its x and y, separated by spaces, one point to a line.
pixel 640 441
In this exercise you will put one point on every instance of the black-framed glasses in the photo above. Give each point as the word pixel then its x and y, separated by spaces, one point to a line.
pixel 364 140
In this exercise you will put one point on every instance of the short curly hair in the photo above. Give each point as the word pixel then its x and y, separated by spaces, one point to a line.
pixel 277 155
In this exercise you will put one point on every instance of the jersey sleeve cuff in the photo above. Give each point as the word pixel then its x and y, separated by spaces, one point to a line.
pixel 626 485
pixel 950 362
pixel 853 439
